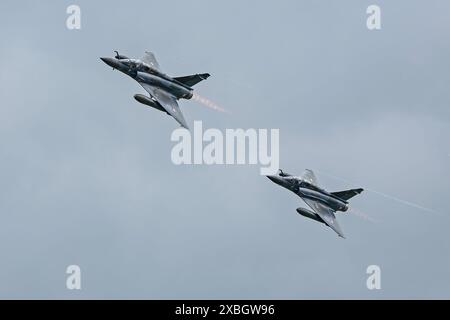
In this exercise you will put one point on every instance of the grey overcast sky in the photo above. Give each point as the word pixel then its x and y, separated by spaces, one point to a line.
pixel 86 176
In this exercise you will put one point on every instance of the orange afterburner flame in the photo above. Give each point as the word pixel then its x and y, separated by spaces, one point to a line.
pixel 208 103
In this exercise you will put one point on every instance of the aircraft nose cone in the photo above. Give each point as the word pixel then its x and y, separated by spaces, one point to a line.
pixel 109 61
pixel 275 179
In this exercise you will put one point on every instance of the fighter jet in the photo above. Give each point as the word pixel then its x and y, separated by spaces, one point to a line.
pixel 164 91
pixel 323 203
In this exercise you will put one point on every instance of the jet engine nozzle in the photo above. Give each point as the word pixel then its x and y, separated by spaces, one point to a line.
pixel 189 95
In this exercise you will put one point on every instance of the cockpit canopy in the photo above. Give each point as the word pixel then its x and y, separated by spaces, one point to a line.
pixel 131 62
pixel 295 179
pixel 138 65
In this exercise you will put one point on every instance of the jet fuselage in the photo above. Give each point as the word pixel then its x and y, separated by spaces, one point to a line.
pixel 142 72
pixel 308 191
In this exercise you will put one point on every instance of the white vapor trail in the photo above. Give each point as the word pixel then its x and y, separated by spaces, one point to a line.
pixel 361 214
pixel 405 202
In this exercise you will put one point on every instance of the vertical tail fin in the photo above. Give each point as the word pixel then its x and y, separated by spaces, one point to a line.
pixel 347 194
pixel 192 79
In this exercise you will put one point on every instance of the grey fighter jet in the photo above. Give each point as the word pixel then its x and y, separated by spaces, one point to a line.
pixel 164 91
pixel 324 204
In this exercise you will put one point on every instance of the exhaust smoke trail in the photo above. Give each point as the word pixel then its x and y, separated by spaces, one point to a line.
pixel 405 202
pixel 361 214
pixel 208 103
